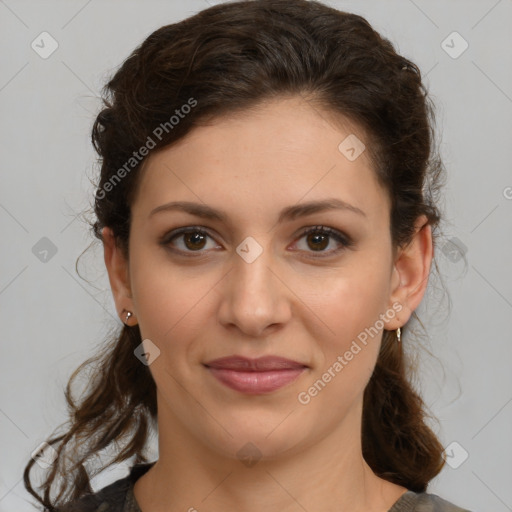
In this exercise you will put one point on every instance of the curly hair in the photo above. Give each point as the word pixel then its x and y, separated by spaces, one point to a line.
pixel 222 60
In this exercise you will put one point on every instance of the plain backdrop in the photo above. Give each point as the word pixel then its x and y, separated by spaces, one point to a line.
pixel 52 320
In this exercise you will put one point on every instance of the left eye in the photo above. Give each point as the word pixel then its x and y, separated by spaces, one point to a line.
pixel 318 238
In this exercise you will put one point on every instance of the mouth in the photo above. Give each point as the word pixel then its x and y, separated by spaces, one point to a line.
pixel 255 376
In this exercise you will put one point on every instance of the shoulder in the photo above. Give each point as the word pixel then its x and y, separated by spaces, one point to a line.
pixel 433 503
pixel 111 498
pixel 424 502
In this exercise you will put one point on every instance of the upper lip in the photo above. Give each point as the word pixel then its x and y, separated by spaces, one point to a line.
pixel 261 364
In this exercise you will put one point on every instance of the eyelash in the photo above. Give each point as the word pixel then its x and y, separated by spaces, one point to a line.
pixel 343 239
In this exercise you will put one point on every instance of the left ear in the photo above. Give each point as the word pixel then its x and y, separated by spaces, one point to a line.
pixel 410 273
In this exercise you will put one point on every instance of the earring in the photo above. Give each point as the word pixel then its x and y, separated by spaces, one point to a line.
pixel 128 315
pixel 398 334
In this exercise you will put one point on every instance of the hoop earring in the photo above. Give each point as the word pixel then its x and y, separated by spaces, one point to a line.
pixel 398 335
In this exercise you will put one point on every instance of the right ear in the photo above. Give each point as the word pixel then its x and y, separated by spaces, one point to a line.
pixel 118 274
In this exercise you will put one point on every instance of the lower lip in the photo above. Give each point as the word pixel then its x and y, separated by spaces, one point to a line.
pixel 254 383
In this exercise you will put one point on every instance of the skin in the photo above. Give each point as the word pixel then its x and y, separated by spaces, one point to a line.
pixel 290 301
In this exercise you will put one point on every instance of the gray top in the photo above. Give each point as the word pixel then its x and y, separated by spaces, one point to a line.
pixel 119 497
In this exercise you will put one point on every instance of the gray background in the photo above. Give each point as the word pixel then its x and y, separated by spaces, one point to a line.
pixel 52 320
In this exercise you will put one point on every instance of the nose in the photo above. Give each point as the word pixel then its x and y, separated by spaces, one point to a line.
pixel 255 299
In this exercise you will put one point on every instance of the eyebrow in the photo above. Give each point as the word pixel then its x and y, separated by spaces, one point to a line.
pixel 287 214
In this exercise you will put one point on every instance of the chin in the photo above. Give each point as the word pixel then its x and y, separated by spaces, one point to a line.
pixel 250 444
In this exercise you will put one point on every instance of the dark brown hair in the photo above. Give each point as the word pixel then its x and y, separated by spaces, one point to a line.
pixel 227 59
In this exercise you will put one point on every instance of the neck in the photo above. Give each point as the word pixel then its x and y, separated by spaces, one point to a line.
pixel 329 474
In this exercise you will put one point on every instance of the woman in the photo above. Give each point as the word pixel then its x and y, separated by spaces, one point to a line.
pixel 267 210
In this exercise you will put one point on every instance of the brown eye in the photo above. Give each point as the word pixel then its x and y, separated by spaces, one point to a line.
pixel 318 242
pixel 188 240
pixel 318 238
pixel 194 240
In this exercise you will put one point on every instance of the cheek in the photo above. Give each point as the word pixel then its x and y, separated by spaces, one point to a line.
pixel 172 303
pixel 347 358
pixel 351 306
pixel 353 298
pixel 158 292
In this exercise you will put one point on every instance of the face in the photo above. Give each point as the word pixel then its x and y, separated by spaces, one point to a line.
pixel 253 282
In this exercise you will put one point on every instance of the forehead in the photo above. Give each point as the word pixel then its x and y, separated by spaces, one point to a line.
pixel 278 153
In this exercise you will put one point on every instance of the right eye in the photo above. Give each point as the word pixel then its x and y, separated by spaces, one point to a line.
pixel 193 240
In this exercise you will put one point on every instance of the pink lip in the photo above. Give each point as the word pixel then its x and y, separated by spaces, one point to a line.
pixel 255 376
